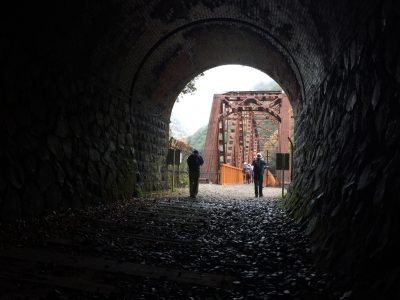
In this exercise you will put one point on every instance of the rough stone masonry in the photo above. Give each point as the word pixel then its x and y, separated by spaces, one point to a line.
pixel 88 89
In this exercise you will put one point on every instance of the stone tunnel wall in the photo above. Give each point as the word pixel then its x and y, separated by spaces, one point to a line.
pixel 345 191
pixel 74 146
pixel 70 139
pixel 70 135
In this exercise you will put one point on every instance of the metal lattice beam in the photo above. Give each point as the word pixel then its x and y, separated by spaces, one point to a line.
pixel 242 124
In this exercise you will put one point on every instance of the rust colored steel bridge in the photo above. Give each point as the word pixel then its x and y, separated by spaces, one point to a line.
pixel 242 124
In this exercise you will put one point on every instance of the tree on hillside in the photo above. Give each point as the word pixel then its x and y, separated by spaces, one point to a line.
pixel 190 87
pixel 176 128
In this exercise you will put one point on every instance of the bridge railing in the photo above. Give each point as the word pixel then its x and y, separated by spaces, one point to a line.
pixel 269 179
pixel 230 175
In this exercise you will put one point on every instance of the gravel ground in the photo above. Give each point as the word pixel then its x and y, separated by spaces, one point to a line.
pixel 225 243
pixel 234 192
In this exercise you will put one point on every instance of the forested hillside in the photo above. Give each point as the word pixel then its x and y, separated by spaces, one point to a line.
pixel 197 139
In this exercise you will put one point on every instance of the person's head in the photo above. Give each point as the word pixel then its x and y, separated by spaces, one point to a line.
pixel 258 155
pixel 195 151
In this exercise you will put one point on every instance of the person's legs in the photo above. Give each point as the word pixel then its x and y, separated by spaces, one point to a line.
pixel 196 183
pixel 256 187
pixel 191 183
pixel 260 187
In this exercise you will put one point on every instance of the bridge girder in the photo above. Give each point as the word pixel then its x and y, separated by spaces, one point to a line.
pixel 242 124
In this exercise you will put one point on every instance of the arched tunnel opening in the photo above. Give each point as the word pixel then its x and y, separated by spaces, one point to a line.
pixel 229 114
pixel 88 90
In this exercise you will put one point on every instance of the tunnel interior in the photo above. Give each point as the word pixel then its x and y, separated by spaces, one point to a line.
pixel 89 89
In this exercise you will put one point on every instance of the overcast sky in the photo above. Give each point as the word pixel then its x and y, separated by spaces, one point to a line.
pixel 193 111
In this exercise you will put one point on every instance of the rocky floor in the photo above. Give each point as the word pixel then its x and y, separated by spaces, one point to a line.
pixel 225 244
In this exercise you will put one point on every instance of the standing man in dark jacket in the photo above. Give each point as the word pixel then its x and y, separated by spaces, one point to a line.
pixel 194 162
pixel 259 166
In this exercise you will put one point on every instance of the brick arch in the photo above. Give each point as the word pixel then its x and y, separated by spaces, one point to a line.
pixel 282 66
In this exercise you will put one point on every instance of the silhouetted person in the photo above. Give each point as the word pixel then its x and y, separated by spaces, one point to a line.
pixel 244 168
pixel 194 162
pixel 259 166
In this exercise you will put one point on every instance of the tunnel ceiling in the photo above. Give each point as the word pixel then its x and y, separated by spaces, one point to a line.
pixel 150 50
pixel 168 43
pixel 204 46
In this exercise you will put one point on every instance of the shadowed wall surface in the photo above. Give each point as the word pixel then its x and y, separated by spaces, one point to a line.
pixel 88 90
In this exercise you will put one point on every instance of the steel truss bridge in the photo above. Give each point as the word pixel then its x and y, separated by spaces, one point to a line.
pixel 242 124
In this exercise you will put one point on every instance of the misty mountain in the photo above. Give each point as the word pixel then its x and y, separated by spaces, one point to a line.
pixel 266 86
pixel 177 130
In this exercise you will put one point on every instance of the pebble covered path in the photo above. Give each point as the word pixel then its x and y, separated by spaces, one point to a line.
pixel 225 244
